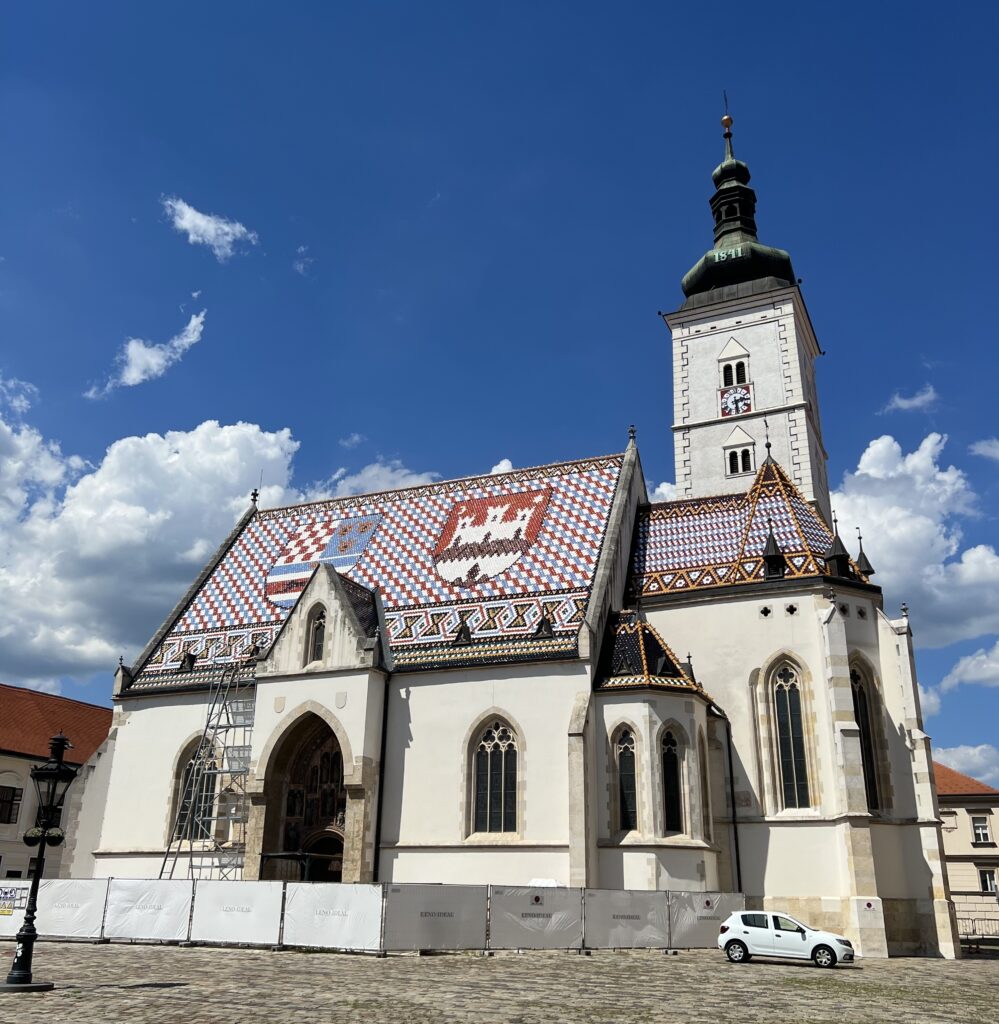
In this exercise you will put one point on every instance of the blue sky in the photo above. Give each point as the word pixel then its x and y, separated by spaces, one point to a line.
pixel 458 225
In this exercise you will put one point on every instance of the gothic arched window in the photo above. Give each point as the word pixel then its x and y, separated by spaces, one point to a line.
pixel 733 462
pixel 195 799
pixel 790 739
pixel 627 799
pixel 672 789
pixel 740 373
pixel 495 769
pixel 862 713
pixel 747 461
pixel 727 379
pixel 316 635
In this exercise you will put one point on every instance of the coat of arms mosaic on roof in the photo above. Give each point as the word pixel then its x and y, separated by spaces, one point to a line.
pixel 505 561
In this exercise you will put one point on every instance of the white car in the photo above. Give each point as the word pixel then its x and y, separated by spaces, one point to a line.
pixel 750 933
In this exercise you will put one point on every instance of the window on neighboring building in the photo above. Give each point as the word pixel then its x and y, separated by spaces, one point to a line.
pixel 980 828
pixel 672 790
pixel 32 864
pixel 627 800
pixel 495 766
pixel 316 635
pixel 987 878
pixel 13 874
pixel 10 804
pixel 790 738
pixel 862 713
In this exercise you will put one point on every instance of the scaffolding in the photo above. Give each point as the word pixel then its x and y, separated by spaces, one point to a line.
pixel 208 832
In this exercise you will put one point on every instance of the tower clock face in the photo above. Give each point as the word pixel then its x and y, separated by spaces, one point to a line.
pixel 735 401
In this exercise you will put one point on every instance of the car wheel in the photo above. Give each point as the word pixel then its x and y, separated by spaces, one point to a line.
pixel 736 952
pixel 824 956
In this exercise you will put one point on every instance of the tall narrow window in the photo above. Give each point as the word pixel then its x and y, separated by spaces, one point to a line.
pixel 727 375
pixel 733 462
pixel 197 798
pixel 317 636
pixel 496 780
pixel 747 461
pixel 672 792
pixel 790 739
pixel 740 373
pixel 702 766
pixel 626 781
pixel 862 713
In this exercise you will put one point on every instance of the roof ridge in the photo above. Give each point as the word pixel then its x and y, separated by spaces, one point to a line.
pixel 514 475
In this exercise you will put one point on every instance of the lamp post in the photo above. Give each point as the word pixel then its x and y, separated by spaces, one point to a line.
pixel 51 780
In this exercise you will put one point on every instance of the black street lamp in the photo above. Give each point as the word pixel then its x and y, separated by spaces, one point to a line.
pixel 51 781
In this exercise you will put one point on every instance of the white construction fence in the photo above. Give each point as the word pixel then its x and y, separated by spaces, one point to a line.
pixel 367 918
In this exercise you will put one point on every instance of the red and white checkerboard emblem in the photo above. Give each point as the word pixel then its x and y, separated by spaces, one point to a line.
pixel 483 537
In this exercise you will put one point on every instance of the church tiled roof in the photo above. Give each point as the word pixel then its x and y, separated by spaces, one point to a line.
pixel 637 657
pixel 490 568
pixel 717 542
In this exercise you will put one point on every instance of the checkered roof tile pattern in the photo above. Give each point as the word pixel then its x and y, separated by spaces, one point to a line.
pixel 551 578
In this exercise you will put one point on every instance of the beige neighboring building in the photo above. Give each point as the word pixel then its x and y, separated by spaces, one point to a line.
pixel 969 811
pixel 28 719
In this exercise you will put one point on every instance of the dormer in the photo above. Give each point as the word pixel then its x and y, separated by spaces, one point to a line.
pixel 335 625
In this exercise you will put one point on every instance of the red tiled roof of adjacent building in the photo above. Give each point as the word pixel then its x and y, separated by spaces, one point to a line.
pixel 952 783
pixel 28 719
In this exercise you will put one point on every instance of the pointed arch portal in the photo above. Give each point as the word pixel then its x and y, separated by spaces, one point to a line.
pixel 304 826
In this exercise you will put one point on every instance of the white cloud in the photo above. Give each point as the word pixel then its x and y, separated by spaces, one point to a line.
pixel 981 667
pixel 929 700
pixel 909 508
pixel 381 475
pixel 302 261
pixel 925 398
pixel 92 557
pixel 219 234
pixel 196 295
pixel 139 361
pixel 503 466
pixel 980 762
pixel 351 440
pixel 988 448
pixel 663 492
pixel 17 395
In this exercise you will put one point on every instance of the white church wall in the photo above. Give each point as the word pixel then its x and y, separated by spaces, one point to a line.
pixel 432 720
pixel 151 735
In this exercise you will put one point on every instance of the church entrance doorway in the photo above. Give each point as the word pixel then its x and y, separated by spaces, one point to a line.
pixel 304 825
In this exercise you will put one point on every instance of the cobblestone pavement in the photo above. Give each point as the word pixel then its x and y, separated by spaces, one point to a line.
pixel 162 984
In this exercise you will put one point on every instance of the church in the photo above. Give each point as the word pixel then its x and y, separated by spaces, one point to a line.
pixel 541 676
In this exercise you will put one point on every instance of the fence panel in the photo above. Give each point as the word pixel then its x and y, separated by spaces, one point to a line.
pixel 694 917
pixel 527 917
pixel 237 912
pixel 435 916
pixel 147 908
pixel 332 916
pixel 625 919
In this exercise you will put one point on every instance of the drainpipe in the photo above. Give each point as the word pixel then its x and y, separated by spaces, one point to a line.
pixel 731 794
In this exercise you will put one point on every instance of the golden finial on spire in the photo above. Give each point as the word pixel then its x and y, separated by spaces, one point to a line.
pixel 727 122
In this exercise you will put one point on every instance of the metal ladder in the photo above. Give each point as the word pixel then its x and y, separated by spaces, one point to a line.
pixel 209 827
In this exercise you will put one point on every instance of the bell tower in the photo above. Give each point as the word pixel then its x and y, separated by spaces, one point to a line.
pixel 743 357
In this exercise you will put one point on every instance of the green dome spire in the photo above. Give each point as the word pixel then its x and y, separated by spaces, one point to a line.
pixel 738 264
